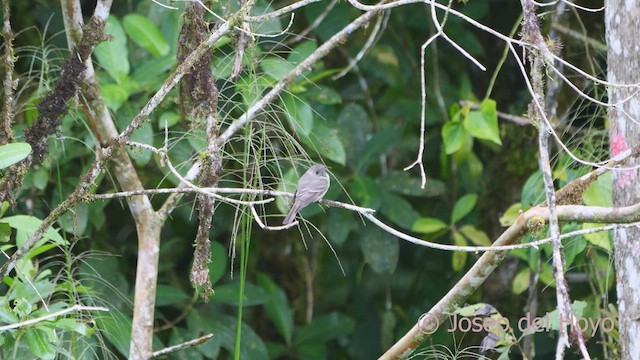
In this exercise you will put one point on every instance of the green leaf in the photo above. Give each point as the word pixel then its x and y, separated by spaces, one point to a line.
pixel 168 119
pixel 278 307
pixel 169 295
pixel 453 135
pixel 403 182
pixel 483 124
pixel 38 343
pixel 510 216
pixel 520 281
pixel 41 178
pixel 459 258
pixel 325 328
pixel 600 239
pixel 225 328
pixel 75 220
pixel 74 325
pixel 27 225
pixel 301 51
pixel 380 249
pixel 12 153
pixel 218 265
pixel 533 190
pixel 463 207
pixel 114 95
pixel 382 142
pixel 599 192
pixel 299 114
pixel 113 55
pixel 428 225
pixel 355 131
pixel 272 25
pixel 229 294
pixel 476 236
pixel 5 232
pixel 398 210
pixel 366 192
pixel 145 33
pixel 116 327
pixel 324 95
pixel 574 245
pixel 276 67
pixel 326 142
pixel 341 224
pixel 144 135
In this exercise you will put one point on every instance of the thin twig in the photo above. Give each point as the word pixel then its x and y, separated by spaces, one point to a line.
pixel 182 346
pixel 51 316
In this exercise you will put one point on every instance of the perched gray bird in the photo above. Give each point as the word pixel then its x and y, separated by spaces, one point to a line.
pixel 311 187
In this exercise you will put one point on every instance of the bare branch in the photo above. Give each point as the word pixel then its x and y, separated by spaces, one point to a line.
pixel 51 316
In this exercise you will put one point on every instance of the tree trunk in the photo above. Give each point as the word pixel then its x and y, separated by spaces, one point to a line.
pixel 622 21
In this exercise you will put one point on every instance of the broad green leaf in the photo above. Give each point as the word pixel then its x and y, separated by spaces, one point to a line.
pixel 405 183
pixel 380 249
pixel 428 225
pixel 341 224
pixel 463 207
pixel 324 95
pixel 301 51
pixel 278 307
pixel 398 210
pixel 577 307
pixel 12 153
pixel 168 119
pixel 116 327
pixel 337 19
pixel 599 192
pixel 288 183
pixel 225 328
pixel 144 135
pixel 324 328
pixel 366 192
pixel 113 55
pixel 574 246
pixel 355 131
pixel 601 239
pixel 230 293
pixel 218 265
pixel 459 258
pixel 299 114
pixel 520 281
pixel 39 344
pixel 276 67
pixel 41 178
pixel 75 220
pixel 271 26
pixel 153 71
pixel 483 124
pixel 27 225
pixel 510 216
pixel 453 135
pixel 74 325
pixel 533 190
pixel 476 236
pixel 5 232
pixel 326 142
pixel 169 295
pixel 382 142
pixel 145 33
pixel 114 95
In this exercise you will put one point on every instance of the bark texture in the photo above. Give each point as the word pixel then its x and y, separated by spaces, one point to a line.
pixel 622 21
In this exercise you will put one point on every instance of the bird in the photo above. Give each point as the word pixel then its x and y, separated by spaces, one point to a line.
pixel 311 187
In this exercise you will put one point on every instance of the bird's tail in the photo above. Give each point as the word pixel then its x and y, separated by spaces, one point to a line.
pixel 290 216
